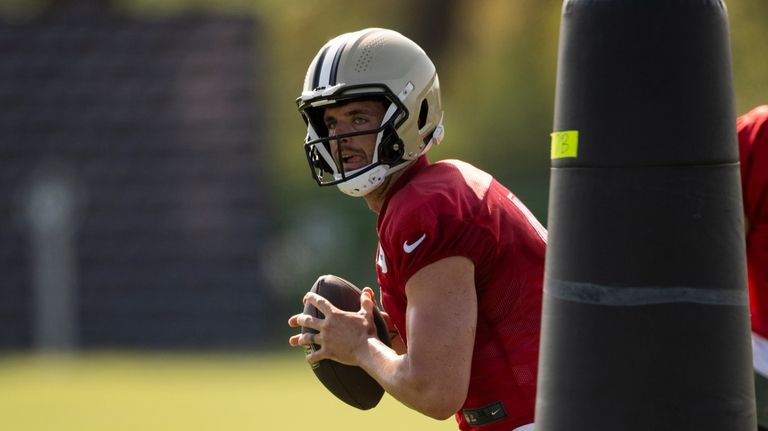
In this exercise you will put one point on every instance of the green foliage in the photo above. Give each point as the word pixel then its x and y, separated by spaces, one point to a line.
pixel 749 39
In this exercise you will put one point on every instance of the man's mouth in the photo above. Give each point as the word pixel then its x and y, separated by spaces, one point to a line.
pixel 353 161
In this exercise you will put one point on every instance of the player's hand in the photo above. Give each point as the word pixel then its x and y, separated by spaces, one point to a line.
pixel 342 335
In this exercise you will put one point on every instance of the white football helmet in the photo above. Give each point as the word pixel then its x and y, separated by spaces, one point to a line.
pixel 377 64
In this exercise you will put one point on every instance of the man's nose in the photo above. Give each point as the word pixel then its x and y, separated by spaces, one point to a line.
pixel 340 129
pixel 336 143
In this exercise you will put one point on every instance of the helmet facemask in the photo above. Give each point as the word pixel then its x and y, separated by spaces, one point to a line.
pixel 327 164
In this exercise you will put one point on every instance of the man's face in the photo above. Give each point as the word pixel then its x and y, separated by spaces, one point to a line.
pixel 359 116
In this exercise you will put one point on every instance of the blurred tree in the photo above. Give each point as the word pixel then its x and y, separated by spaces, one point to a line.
pixel 428 23
pixel 77 7
pixel 499 92
pixel 749 39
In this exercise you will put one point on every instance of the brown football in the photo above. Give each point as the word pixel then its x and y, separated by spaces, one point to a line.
pixel 349 383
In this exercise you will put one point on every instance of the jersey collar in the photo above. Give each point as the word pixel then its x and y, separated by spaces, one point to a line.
pixel 420 164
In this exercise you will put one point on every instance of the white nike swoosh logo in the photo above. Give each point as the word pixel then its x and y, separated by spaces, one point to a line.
pixel 410 247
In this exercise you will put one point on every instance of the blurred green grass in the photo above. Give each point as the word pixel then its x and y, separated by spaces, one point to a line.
pixel 196 392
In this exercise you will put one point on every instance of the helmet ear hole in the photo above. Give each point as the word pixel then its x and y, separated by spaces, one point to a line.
pixel 423 112
pixel 392 148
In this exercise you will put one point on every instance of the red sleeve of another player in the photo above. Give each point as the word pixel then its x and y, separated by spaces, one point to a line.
pixel 752 129
pixel 753 149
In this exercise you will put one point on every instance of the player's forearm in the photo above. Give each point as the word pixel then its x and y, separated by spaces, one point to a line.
pixel 417 387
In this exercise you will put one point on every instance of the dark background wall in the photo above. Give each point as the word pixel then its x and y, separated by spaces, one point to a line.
pixel 143 131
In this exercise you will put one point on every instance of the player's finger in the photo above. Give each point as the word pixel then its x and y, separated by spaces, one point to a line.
pixel 319 302
pixel 309 338
pixel 370 293
pixel 366 300
pixel 307 321
pixel 294 340
pixel 305 339
pixel 312 356
pixel 293 321
pixel 313 351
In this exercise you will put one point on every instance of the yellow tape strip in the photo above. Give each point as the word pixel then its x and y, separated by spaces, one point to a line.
pixel 565 144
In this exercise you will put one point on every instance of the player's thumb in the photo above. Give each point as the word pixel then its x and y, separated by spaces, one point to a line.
pixel 367 301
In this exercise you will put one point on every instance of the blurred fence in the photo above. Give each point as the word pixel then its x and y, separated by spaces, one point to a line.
pixel 133 203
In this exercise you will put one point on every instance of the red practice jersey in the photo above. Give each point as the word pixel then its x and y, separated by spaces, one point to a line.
pixel 752 128
pixel 451 208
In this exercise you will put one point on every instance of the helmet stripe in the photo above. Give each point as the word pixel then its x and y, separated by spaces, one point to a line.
pixel 333 49
pixel 318 67
pixel 335 65
pixel 332 58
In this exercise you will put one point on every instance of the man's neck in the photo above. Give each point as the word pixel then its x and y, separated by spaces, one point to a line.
pixel 376 198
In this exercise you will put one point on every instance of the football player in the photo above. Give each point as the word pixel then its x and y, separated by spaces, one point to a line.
pixel 460 260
